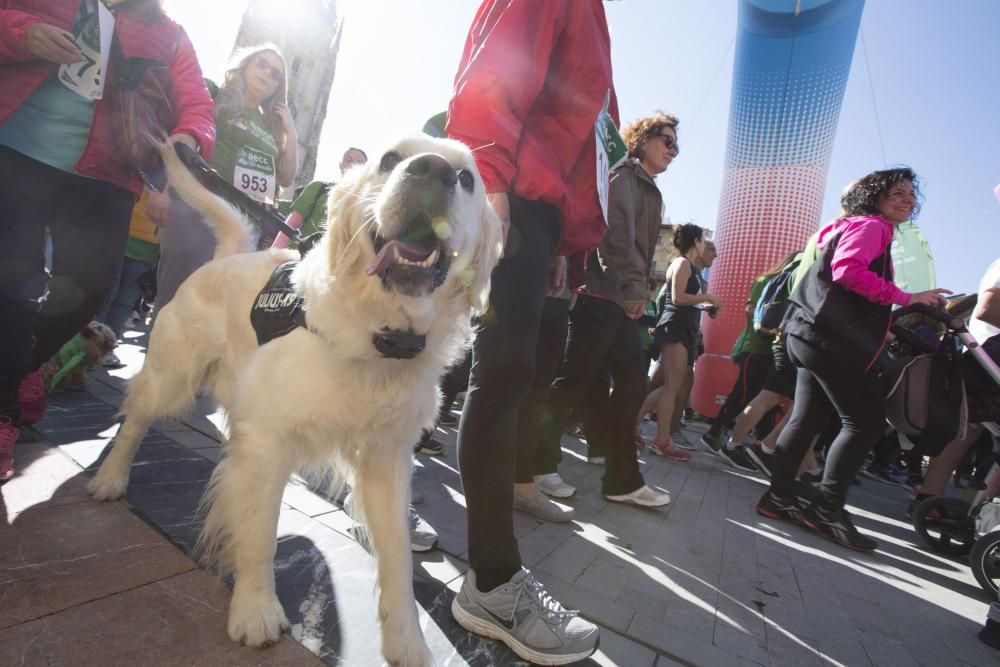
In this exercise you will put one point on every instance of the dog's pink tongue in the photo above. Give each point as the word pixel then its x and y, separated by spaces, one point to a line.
pixel 382 260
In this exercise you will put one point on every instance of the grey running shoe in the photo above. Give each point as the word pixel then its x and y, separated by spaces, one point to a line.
pixel 681 441
pixel 712 443
pixel 554 485
pixel 423 537
pixel 543 509
pixel 595 460
pixel 527 619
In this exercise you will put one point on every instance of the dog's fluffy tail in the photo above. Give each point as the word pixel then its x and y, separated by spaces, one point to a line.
pixel 232 231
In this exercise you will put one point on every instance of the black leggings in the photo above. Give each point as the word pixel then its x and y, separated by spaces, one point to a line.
pixel 503 374
pixel 828 385
pixel 87 221
pixel 753 369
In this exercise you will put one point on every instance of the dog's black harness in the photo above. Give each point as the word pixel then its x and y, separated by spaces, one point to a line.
pixel 278 310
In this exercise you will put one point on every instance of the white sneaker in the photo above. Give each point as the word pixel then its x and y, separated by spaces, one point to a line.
pixel 644 496
pixel 554 485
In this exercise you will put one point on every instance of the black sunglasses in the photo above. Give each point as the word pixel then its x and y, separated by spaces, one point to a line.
pixel 670 142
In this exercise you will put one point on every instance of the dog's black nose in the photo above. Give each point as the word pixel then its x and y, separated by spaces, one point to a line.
pixel 430 166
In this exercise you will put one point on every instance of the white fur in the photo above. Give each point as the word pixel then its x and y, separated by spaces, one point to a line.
pixel 315 400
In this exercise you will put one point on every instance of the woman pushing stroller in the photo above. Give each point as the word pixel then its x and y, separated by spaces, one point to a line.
pixel 835 328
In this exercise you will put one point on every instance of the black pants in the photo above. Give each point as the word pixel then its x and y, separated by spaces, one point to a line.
pixel 87 220
pixel 753 371
pixel 536 421
pixel 602 337
pixel 828 386
pixel 503 372
pixel 453 382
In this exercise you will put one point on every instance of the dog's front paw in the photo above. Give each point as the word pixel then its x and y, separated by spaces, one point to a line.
pixel 256 619
pixel 107 486
pixel 405 649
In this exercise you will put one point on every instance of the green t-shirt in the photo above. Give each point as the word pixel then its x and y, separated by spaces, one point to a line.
pixel 752 343
pixel 246 154
pixel 311 205
pixel 141 251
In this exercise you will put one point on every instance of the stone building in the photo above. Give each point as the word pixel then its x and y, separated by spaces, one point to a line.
pixel 308 32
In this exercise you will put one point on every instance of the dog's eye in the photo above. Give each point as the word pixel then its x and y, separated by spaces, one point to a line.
pixel 389 161
pixel 467 180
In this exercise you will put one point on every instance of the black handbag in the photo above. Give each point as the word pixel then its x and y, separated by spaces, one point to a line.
pixel 831 317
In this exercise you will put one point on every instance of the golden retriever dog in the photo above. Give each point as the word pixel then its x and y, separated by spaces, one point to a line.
pixel 405 260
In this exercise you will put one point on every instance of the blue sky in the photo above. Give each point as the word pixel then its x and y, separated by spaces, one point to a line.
pixel 933 73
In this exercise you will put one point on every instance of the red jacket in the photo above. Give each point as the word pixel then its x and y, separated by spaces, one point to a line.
pixel 533 77
pixel 141 35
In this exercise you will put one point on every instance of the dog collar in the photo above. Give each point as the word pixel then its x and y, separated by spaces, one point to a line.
pixel 399 344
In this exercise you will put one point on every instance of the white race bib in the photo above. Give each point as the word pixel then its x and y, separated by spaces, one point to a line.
pixel 86 78
pixel 611 152
pixel 255 174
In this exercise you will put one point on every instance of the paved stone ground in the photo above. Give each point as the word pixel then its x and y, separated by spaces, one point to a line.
pixel 705 581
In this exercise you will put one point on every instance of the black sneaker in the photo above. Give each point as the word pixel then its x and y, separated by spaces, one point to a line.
pixel 447 419
pixel 835 524
pixel 713 443
pixel 430 448
pixel 811 476
pixel 761 459
pixel 737 456
pixel 790 508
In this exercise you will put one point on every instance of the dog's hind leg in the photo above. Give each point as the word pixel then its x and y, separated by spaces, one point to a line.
pixel 240 534
pixel 157 391
pixel 382 484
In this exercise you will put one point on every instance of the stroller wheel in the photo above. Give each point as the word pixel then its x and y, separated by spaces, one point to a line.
pixel 985 562
pixel 944 525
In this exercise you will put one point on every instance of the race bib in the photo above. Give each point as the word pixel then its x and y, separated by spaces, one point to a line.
pixel 255 175
pixel 93 37
pixel 611 152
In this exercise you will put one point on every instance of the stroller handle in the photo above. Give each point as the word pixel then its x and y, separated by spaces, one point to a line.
pixel 953 323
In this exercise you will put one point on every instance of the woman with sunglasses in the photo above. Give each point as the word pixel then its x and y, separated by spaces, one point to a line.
pixel 604 328
pixel 255 150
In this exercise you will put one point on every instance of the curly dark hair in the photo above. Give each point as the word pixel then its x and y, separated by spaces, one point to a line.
pixel 865 194
pixel 638 131
pixel 685 236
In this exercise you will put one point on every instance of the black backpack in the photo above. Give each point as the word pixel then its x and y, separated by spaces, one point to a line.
pixel 773 303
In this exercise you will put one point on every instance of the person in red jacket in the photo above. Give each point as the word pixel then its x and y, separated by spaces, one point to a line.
pixel 533 89
pixel 59 172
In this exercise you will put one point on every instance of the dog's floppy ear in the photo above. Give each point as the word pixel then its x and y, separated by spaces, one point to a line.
pixel 488 252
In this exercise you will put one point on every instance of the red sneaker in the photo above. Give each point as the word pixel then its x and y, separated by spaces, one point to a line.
pixel 668 450
pixel 8 436
pixel 31 396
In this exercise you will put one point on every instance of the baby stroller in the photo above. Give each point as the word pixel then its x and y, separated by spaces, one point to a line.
pixel 967 389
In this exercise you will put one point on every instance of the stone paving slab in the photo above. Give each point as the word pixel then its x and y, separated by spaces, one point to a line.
pixel 705 581
pixel 179 620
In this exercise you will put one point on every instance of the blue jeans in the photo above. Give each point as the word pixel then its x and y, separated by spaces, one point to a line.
pixel 124 294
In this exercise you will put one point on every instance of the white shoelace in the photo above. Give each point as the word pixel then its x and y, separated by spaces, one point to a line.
pixel 545 603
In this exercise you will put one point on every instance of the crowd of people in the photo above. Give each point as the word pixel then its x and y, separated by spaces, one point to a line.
pixel 573 324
